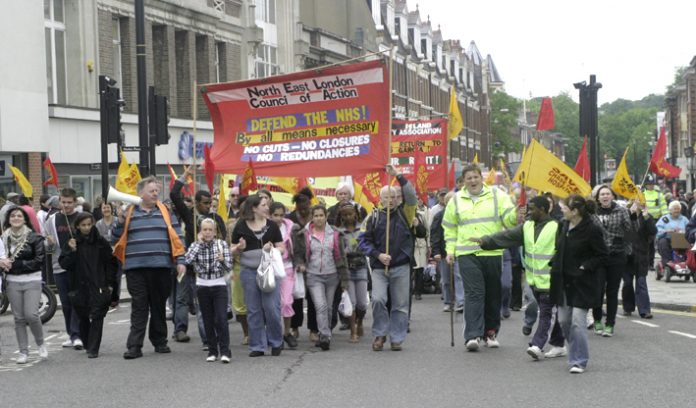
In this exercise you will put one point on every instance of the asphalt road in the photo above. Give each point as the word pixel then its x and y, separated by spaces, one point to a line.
pixel 642 366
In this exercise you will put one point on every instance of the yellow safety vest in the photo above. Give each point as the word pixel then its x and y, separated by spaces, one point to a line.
pixel 655 203
pixel 465 218
pixel 538 254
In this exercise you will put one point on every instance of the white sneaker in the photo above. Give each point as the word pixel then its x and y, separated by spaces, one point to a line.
pixel 492 341
pixel 225 359
pixel 22 358
pixel 77 344
pixel 535 352
pixel 43 351
pixel 576 370
pixel 67 343
pixel 459 308
pixel 472 345
pixel 556 352
pixel 211 359
pixel 447 308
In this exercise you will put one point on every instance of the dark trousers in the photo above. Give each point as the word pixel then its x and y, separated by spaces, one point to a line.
pixel 212 301
pixel 72 320
pixel 516 294
pixel 610 279
pixel 116 293
pixel 149 289
pixel 664 248
pixel 482 293
pixel 297 319
pixel 548 322
pixel 91 327
pixel 638 297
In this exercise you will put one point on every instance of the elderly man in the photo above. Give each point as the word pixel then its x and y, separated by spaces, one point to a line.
pixel 148 244
pixel 390 261
pixel 344 194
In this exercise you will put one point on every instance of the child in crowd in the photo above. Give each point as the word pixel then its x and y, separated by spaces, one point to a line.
pixel 212 262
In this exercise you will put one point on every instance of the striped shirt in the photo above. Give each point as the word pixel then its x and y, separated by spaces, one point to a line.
pixel 148 240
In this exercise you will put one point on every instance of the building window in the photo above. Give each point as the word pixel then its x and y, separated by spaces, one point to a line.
pixel 266 61
pixel 54 25
pixel 117 50
pixel 266 11
pixel 220 75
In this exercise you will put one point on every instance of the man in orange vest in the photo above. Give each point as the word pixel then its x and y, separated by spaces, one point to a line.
pixel 149 245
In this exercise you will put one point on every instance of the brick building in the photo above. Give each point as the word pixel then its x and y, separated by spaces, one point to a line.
pixel 208 41
pixel 680 123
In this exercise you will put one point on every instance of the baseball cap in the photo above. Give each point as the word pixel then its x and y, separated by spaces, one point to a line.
pixel 11 195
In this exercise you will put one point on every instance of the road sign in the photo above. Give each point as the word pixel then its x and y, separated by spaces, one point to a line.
pixel 132 148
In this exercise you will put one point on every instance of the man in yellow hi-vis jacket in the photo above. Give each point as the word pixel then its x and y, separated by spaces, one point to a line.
pixel 475 211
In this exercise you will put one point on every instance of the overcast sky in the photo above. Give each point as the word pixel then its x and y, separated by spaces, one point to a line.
pixel 541 47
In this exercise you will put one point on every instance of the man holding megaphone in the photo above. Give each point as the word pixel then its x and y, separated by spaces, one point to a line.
pixel 149 244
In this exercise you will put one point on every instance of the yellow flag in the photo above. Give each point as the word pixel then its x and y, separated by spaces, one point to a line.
pixel 455 117
pixel 623 184
pixel 24 184
pixel 361 198
pixel 543 171
pixel 222 201
pixel 490 178
pixel 289 184
pixel 475 158
pixel 127 176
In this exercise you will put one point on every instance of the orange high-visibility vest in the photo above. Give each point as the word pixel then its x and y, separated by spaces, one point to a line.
pixel 175 244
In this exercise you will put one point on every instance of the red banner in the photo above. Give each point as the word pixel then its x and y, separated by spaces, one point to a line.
pixel 323 122
pixel 424 140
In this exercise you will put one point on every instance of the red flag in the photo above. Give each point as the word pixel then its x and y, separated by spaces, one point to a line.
pixel 451 177
pixel 248 182
pixel 421 176
pixel 658 165
pixel 209 169
pixel 582 165
pixel 522 199
pixel 545 120
pixel 53 174
pixel 173 176
pixel 372 184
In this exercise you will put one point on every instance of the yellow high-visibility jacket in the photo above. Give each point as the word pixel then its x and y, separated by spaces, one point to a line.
pixel 467 218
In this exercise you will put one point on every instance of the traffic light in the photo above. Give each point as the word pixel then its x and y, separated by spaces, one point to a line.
pixel 158 107
pixel 110 109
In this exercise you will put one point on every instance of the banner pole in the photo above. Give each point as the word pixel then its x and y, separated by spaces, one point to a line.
pixel 193 190
pixel 389 151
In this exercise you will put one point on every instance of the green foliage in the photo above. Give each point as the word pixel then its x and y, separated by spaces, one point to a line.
pixel 621 123
pixel 504 112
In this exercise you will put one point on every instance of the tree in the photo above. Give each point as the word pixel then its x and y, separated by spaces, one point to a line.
pixel 504 127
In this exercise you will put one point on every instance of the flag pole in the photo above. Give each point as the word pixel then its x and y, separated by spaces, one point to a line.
pixel 194 128
pixel 389 129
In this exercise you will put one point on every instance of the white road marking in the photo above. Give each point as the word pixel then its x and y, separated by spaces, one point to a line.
pixel 50 337
pixel 691 336
pixel 645 323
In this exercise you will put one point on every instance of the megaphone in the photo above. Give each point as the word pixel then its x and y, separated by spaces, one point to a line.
pixel 115 195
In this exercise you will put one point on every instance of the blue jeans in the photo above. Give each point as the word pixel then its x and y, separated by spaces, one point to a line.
pixel 573 322
pixel 506 287
pixel 530 313
pixel 395 321
pixel 322 288
pixel 72 321
pixel 184 298
pixel 212 301
pixel 445 282
pixel 638 297
pixel 548 323
pixel 263 313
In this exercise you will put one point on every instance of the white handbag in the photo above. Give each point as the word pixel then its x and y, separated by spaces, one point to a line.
pixel 265 274
pixel 298 291
pixel 277 261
